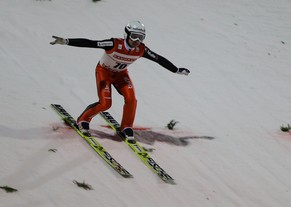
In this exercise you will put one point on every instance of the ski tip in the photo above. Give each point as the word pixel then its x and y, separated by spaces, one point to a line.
pixel 127 176
pixel 170 181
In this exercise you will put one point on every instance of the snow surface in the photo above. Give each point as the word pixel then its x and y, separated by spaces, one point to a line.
pixel 238 92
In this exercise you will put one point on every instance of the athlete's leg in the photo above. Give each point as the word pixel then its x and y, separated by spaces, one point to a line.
pixel 103 84
pixel 126 89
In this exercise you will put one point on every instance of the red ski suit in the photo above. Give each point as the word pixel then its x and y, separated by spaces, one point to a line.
pixel 111 70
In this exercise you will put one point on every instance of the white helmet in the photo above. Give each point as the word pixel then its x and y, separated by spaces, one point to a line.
pixel 135 30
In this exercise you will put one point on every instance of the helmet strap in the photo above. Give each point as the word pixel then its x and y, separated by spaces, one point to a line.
pixel 127 46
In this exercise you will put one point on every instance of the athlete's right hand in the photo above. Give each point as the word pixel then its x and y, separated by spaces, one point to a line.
pixel 59 40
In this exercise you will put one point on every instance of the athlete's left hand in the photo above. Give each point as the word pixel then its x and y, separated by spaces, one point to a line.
pixel 183 71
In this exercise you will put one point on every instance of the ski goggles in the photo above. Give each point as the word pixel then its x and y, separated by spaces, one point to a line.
pixel 137 36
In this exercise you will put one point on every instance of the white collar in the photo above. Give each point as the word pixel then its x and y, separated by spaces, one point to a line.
pixel 127 46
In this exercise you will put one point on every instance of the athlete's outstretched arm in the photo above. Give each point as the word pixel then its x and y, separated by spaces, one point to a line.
pixel 164 62
pixel 80 42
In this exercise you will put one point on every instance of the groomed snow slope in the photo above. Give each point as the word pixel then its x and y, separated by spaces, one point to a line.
pixel 238 92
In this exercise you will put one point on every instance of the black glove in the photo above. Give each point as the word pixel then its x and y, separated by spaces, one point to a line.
pixel 183 71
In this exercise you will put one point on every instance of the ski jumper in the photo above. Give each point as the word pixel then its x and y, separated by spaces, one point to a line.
pixel 111 70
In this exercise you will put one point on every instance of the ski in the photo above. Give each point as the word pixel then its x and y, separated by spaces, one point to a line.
pixel 139 151
pixel 97 147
